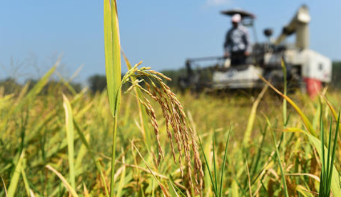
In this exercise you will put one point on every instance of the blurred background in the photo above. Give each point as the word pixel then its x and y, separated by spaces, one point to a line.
pixel 62 122
pixel 163 34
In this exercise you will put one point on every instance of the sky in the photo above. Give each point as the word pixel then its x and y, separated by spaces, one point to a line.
pixel 162 34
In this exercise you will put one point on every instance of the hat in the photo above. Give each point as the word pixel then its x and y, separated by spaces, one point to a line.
pixel 236 18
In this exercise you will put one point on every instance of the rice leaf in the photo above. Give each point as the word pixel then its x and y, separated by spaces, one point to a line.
pixel 16 175
pixel 207 173
pixel 333 111
pixel 112 50
pixel 165 192
pixel 70 138
pixel 336 190
pixel 4 184
pixel 38 86
pixel 32 193
pixel 86 192
pixel 172 190
pixel 122 178
pixel 284 68
pixel 293 104
pixel 214 164
pixel 31 94
pixel 27 186
pixel 234 189
pixel 279 159
pixel 249 127
pixel 304 191
pixel 223 165
pixel 66 184
pixel 92 155
pixel 81 153
pixel 280 166
pixel 208 168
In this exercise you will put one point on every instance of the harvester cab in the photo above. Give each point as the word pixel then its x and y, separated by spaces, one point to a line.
pixel 306 69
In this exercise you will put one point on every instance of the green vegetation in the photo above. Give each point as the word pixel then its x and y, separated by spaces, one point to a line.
pixel 34 135
pixel 144 140
pixel 336 78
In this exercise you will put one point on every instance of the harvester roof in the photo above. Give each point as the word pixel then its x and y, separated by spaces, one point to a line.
pixel 243 14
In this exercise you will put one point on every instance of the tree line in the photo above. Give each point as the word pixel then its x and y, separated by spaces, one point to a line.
pixel 97 83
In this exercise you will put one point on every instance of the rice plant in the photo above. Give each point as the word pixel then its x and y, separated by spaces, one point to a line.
pixel 217 189
pixel 172 110
pixel 328 157
pixel 138 138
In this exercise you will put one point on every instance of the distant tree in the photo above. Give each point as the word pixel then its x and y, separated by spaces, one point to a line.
pixel 54 86
pixel 10 86
pixel 31 83
pixel 76 86
pixel 97 83
pixel 175 76
pixel 336 75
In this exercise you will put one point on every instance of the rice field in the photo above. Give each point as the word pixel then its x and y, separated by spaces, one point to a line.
pixel 35 139
pixel 145 140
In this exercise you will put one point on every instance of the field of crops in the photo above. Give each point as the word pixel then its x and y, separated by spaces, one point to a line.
pixel 143 140
pixel 41 150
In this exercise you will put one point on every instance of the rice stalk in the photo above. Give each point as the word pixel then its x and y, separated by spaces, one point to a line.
pixel 173 111
pixel 142 113
pixel 174 117
pixel 250 123
pixel 27 186
pixel 16 175
pixel 113 72
pixel 70 139
pixel 284 68
pixel 66 184
pixel 304 118
pixel 327 158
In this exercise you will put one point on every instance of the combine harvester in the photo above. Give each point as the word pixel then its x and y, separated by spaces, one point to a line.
pixel 307 70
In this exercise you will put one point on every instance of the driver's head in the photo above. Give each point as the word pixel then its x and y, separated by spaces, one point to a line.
pixel 236 19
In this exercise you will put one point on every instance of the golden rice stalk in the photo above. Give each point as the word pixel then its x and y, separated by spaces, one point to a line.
pixel 175 118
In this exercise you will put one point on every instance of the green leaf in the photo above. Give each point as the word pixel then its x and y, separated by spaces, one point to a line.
pixel 112 50
pixel 336 190
pixel 234 189
pixel 304 118
pixel 70 138
pixel 122 178
pixel 27 186
pixel 92 155
pixel 247 133
pixel 31 95
pixel 280 166
pixel 223 166
pixel 66 184
pixel 284 69
pixel 15 177
pixel 172 190
pixel 208 169
pixel 304 191
pixel 81 153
